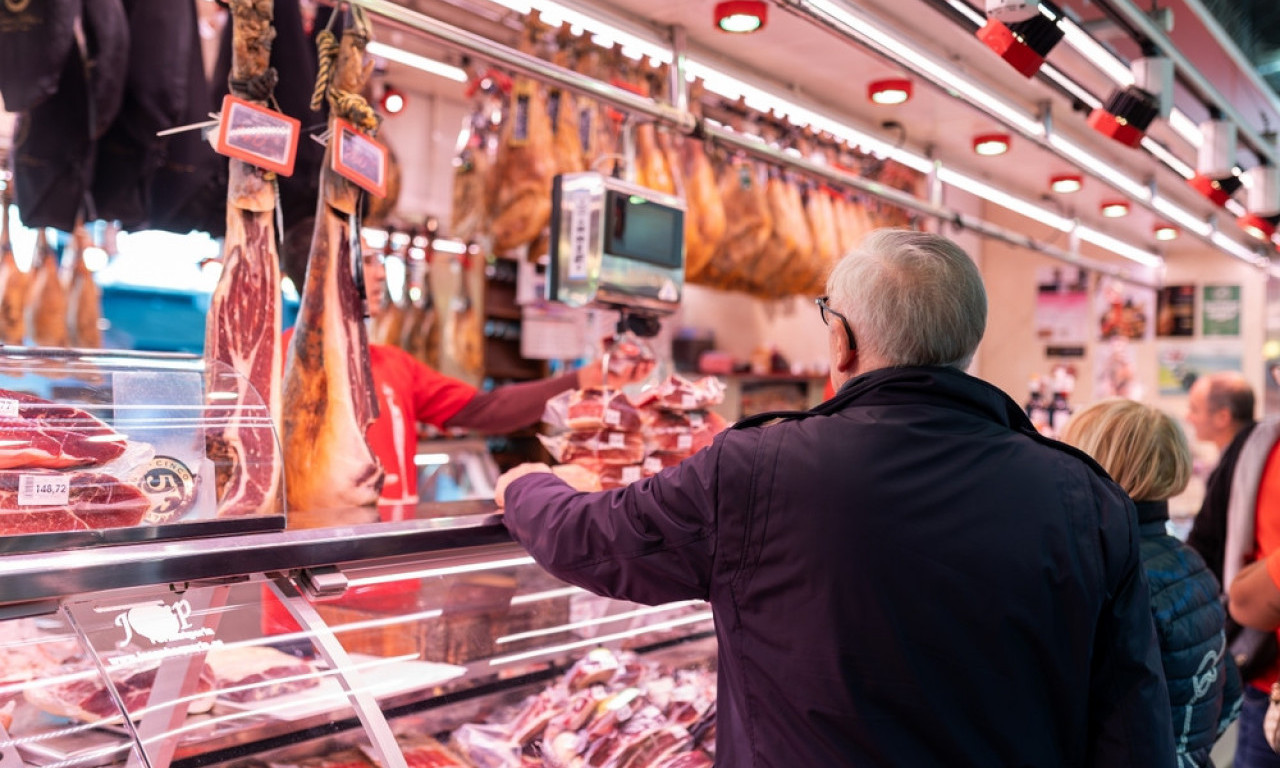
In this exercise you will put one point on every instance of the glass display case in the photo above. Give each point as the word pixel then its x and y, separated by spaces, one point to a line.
pixel 418 636
pixel 101 447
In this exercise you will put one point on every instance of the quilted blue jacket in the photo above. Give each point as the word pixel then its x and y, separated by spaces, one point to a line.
pixel 1204 684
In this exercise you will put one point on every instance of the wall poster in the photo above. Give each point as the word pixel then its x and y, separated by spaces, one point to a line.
pixel 1062 305
pixel 1220 310
pixel 1176 311
pixel 1180 363
pixel 1124 310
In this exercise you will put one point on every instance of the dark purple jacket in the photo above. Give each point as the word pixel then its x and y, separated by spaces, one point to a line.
pixel 904 576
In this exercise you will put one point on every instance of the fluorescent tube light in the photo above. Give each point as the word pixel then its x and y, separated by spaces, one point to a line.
pixel 1158 151
pixel 1100 168
pixel 1119 247
pixel 430 66
pixel 1181 216
pixel 1004 200
pixel 1091 49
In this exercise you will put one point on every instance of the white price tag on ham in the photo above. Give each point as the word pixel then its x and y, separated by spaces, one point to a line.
pixel 630 474
pixel 695 420
pixel 617 440
pixel 43 491
pixel 688 401
pixel 612 417
pixel 684 442
pixel 8 408
pixel 652 465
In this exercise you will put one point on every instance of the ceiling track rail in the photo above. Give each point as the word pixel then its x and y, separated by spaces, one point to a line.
pixel 688 124
pixel 1135 18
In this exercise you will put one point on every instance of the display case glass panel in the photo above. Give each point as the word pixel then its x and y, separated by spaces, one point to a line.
pixel 103 447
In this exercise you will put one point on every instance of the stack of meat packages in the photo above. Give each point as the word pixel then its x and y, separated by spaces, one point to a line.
pixel 612 442
pixel 607 710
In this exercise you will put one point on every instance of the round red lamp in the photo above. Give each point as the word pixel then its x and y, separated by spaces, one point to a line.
pixel 1066 183
pixel 741 16
pixel 1115 209
pixel 1165 232
pixel 393 101
pixel 991 144
pixel 895 90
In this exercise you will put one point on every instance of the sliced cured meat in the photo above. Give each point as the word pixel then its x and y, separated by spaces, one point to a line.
pixel 685 760
pixel 598 666
pixel 94 501
pixel 683 433
pixel 618 476
pixel 431 754
pixel 52 436
pixel 677 393
pixel 593 409
pixel 254 672
pixel 603 447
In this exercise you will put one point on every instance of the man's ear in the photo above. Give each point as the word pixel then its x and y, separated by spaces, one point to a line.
pixel 1221 418
pixel 847 360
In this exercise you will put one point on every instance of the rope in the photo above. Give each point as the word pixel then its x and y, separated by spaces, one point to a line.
pixel 353 108
pixel 259 88
pixel 327 51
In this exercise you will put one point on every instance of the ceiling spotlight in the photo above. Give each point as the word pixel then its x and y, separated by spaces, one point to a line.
pixel 1216 177
pixel 1263 183
pixel 1022 32
pixel 892 91
pixel 1115 209
pixel 1066 183
pixel 1128 112
pixel 393 100
pixel 991 144
pixel 741 16
pixel 1165 232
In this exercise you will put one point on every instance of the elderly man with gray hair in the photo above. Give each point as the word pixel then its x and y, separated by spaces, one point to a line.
pixel 905 575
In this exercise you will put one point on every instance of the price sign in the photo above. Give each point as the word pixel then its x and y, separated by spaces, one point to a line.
pixel 257 135
pixel 43 490
pixel 8 408
pixel 360 159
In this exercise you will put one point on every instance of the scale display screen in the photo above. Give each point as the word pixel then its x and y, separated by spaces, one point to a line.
pixel 639 229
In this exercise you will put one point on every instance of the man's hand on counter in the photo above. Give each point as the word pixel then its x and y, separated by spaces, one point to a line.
pixel 513 474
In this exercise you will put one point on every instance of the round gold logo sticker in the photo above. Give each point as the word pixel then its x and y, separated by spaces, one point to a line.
pixel 171 488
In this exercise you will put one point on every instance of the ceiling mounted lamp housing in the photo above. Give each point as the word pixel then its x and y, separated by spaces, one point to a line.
pixel 895 90
pixel 1165 232
pixel 1066 183
pixel 1128 112
pixel 1022 32
pixel 1264 202
pixel 1216 177
pixel 741 16
pixel 1115 209
pixel 992 144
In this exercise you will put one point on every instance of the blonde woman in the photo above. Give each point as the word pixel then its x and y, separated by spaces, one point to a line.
pixel 1144 450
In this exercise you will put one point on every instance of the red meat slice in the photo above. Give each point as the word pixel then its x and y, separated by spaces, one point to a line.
pixel 590 409
pixel 95 501
pixel 52 436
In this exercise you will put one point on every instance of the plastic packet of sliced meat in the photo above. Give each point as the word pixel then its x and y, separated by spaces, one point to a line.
pixel 486 746
pixel 628 357
pixel 620 475
pixel 684 432
pixel 658 461
pixel 604 447
pixel 592 409
pixel 677 393
pixel 43 501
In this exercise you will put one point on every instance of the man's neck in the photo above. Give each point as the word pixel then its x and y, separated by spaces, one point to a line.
pixel 1224 440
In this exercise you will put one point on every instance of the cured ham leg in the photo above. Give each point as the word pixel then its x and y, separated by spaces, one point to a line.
pixel 85 302
pixel 328 382
pixel 47 298
pixel 14 285
pixel 242 329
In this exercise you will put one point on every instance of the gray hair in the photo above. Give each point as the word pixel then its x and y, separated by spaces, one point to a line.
pixel 1229 391
pixel 913 298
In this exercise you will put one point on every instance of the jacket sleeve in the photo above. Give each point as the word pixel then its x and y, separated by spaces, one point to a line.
pixel 1232 692
pixel 651 542
pixel 1130 721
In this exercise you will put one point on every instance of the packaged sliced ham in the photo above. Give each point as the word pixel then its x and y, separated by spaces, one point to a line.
pixel 601 447
pixel 594 409
pixel 255 672
pixel 37 433
pixel 684 432
pixel 42 501
pixel 658 461
pixel 677 393
pixel 619 475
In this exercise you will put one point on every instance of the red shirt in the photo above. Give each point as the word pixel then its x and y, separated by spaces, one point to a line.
pixel 1267 530
pixel 408 392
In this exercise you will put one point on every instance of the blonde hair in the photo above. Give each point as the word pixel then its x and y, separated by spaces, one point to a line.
pixel 1142 448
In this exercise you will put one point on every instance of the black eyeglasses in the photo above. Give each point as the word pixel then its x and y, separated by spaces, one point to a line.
pixel 825 309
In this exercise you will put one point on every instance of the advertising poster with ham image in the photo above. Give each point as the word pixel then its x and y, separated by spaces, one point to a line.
pixel 1124 310
pixel 1062 305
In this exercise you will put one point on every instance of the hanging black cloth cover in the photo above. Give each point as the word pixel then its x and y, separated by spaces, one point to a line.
pixel 53 157
pixel 106 33
pixel 156 97
pixel 35 41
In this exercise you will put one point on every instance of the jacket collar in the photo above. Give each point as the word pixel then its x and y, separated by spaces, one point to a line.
pixel 1152 511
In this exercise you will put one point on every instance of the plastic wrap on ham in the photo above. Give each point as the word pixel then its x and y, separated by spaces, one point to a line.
pixel 685 760
pixel 425 752
pixel 79 692
pixel 598 666
pixel 681 432
pixel 656 462
pixel 629 357
pixel 601 447
pixel 252 673
pixel 617 476
pixel 594 409
pixel 486 746
pixel 37 433
pixel 677 393
pixel 41 501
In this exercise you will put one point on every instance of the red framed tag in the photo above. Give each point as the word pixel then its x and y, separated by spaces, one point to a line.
pixel 257 135
pixel 360 159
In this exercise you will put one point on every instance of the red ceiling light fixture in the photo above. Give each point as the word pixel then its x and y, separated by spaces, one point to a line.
pixel 1022 32
pixel 1165 232
pixel 1216 162
pixel 1115 209
pixel 894 90
pixel 1128 112
pixel 1066 183
pixel 992 144
pixel 741 16
pixel 393 100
